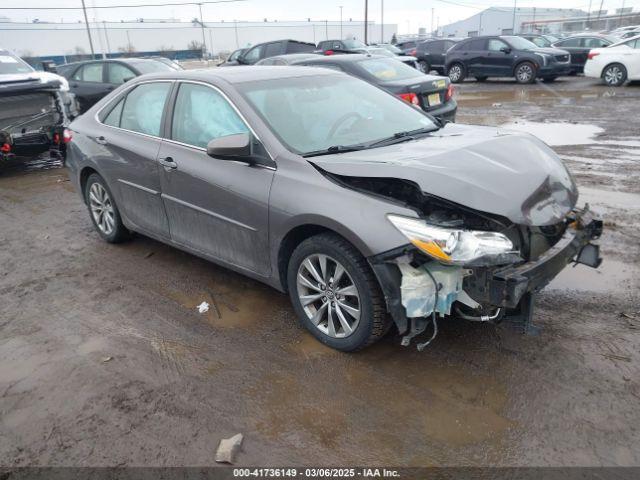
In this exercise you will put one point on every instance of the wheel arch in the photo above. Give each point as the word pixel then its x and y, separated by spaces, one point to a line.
pixel 85 173
pixel 535 64
pixel 613 62
pixel 301 232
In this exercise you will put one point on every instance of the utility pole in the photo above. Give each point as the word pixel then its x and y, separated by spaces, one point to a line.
pixel 86 22
pixel 381 21
pixel 341 37
pixel 106 35
pixel 204 41
pixel 480 25
pixel 366 20
pixel 600 11
pixel 513 25
pixel 589 14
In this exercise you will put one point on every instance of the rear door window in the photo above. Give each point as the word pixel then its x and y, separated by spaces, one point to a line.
pixel 91 72
pixel 202 114
pixel 570 42
pixel 475 45
pixel 143 108
pixel 273 49
pixel 118 73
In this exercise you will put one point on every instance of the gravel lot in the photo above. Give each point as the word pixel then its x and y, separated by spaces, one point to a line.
pixel 104 360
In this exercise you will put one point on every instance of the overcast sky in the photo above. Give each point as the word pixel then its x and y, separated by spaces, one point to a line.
pixel 407 14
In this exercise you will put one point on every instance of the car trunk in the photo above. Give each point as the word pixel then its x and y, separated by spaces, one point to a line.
pixel 431 91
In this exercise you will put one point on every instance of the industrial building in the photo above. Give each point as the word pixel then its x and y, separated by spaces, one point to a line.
pixel 505 21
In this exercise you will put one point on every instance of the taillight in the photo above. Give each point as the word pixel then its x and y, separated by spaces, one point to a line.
pixel 592 55
pixel 67 136
pixel 412 98
pixel 328 52
pixel 413 52
pixel 6 148
pixel 449 95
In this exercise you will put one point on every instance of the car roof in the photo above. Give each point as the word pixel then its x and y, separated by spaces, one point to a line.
pixel 129 60
pixel 294 56
pixel 347 58
pixel 240 74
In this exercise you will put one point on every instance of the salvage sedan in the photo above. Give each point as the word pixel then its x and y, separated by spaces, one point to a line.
pixel 360 206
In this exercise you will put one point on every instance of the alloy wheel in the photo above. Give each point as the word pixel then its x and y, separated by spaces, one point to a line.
pixel 328 296
pixel 613 75
pixel 101 208
pixel 525 72
pixel 455 72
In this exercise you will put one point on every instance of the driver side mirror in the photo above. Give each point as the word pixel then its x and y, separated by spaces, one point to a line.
pixel 231 147
pixel 505 50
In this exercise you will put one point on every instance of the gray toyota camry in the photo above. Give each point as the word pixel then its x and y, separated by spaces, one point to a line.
pixel 369 212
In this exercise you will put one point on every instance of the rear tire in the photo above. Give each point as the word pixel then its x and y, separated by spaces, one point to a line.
pixel 614 75
pixel 104 211
pixel 423 65
pixel 525 73
pixel 456 72
pixel 321 294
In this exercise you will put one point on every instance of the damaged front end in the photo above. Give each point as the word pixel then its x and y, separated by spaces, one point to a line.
pixel 435 277
pixel 461 263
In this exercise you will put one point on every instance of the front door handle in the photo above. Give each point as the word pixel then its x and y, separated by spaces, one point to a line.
pixel 168 163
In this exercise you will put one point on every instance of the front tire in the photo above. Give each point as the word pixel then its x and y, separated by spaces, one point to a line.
pixel 456 72
pixel 614 75
pixel 423 66
pixel 525 73
pixel 103 211
pixel 335 293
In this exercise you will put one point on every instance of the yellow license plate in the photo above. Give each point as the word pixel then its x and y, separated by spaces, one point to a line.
pixel 440 83
pixel 434 99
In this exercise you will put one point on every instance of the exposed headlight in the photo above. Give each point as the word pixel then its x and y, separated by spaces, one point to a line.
pixel 451 245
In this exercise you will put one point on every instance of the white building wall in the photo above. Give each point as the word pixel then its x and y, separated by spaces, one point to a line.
pixel 493 21
pixel 62 39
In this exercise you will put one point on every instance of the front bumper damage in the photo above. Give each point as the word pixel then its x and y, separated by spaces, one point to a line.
pixel 419 291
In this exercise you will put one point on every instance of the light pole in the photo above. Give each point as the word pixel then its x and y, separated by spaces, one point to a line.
pixel 513 25
pixel 204 41
pixel 86 22
pixel 366 20
pixel 341 37
pixel 381 21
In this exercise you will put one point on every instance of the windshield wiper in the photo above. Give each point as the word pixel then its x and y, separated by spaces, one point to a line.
pixel 401 137
pixel 335 149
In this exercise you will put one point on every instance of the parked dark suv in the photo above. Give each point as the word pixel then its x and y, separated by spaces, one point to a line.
pixel 431 53
pixel 505 56
pixel 271 49
pixel 354 46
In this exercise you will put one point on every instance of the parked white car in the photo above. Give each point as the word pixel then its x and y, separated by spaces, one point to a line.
pixel 616 63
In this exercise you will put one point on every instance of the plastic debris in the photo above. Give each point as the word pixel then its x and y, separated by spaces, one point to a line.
pixel 203 307
pixel 106 359
pixel 228 449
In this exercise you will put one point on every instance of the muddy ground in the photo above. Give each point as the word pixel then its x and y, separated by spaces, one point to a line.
pixel 105 361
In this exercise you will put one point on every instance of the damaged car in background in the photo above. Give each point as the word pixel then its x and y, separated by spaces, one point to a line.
pixel 35 108
pixel 369 212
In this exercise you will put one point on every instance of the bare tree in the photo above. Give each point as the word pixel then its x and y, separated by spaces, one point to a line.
pixel 195 45
pixel 165 51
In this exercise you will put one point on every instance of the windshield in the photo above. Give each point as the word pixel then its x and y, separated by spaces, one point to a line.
pixel 520 43
pixel 10 64
pixel 353 44
pixel 541 41
pixel 314 113
pixel 152 66
pixel 388 69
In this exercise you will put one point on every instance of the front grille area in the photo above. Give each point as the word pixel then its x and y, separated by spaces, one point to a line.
pixel 562 58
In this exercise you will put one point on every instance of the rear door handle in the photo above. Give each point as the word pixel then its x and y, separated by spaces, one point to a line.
pixel 101 140
pixel 168 163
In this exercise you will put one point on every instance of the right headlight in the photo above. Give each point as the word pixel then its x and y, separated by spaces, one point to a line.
pixel 452 245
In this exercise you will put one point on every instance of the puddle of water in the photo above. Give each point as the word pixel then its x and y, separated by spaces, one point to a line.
pixel 525 95
pixel 28 164
pixel 558 134
pixel 233 304
pixel 612 276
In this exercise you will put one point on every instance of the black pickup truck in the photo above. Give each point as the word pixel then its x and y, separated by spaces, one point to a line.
pixel 35 108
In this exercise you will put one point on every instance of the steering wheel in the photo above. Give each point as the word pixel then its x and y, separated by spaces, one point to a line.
pixel 338 123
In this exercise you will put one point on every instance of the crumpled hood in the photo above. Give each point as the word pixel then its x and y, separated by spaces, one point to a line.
pixel 493 170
